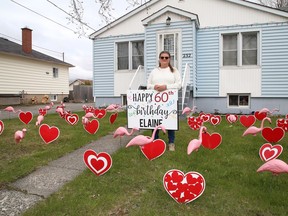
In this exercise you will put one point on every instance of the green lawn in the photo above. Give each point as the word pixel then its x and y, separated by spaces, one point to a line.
pixel 18 160
pixel 134 185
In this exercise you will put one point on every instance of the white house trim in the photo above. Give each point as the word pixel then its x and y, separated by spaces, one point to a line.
pixel 171 9
pixel 150 3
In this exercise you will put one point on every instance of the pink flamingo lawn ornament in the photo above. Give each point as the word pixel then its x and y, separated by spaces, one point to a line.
pixel 254 130
pixel 90 115
pixel 266 110
pixel 19 135
pixel 275 166
pixel 10 109
pixel 142 140
pixel 85 120
pixel 121 131
pixel 195 144
pixel 48 107
pixel 40 118
pixel 188 111
pixel 60 110
pixel 112 108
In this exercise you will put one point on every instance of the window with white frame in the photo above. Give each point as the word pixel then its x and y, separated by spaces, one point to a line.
pixel 130 55
pixel 238 100
pixel 55 72
pixel 240 49
pixel 53 97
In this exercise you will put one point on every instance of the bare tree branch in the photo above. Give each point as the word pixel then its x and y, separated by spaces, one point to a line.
pixel 274 3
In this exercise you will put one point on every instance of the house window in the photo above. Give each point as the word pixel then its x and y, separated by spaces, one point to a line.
pixel 249 48
pixel 130 55
pixel 55 72
pixel 53 97
pixel 240 49
pixel 169 42
pixel 137 54
pixel 123 56
pixel 241 100
pixel 230 49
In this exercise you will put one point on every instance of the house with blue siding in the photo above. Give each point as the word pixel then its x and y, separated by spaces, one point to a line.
pixel 232 54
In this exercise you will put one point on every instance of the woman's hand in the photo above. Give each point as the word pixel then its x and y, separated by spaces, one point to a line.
pixel 160 88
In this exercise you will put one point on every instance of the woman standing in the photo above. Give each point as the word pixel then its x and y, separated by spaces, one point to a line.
pixel 162 78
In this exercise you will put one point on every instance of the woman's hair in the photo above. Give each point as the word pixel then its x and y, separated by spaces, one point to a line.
pixel 170 66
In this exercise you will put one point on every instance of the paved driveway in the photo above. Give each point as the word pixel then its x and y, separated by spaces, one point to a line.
pixel 34 109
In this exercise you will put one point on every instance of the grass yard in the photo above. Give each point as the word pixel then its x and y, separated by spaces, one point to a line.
pixel 134 185
pixel 18 160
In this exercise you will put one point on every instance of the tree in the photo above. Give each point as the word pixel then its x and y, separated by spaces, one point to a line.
pixel 275 3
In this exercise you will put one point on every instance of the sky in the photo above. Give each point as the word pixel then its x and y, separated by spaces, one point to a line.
pixel 54 35
pixel 55 39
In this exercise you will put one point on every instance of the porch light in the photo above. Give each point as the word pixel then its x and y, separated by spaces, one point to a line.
pixel 168 21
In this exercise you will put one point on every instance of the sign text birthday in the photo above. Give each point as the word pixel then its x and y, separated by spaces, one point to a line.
pixel 148 108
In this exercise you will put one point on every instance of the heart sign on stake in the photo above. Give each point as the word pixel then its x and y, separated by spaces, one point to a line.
pixel 283 123
pixel 42 111
pixel 183 188
pixel 113 118
pixel 215 119
pixel 100 113
pixel 48 134
pixel 194 122
pixel 260 116
pixel 1 127
pixel 72 119
pixel 92 126
pixel 154 149
pixel 97 163
pixel 273 135
pixel 268 152
pixel 211 141
pixel 247 120
pixel 25 117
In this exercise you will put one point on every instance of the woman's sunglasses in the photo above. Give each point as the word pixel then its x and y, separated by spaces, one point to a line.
pixel 166 57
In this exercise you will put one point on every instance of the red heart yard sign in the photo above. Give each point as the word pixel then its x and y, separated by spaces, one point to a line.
pixel 113 118
pixel 215 119
pixel 100 113
pixel 25 117
pixel 194 122
pixel 72 119
pixel 154 149
pixel 1 127
pixel 248 120
pixel 268 152
pixel 97 163
pixel 183 188
pixel 283 123
pixel 211 141
pixel 273 135
pixel 231 118
pixel 42 111
pixel 48 134
pixel 92 126
pixel 260 116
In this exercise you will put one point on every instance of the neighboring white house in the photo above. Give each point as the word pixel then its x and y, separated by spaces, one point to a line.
pixel 27 74
pixel 235 52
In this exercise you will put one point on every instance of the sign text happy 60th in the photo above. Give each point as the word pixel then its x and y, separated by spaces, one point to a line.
pixel 148 108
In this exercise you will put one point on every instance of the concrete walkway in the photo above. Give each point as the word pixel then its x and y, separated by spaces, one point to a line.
pixel 27 191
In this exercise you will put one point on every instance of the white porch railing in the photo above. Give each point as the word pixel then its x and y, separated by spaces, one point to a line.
pixel 185 83
pixel 138 79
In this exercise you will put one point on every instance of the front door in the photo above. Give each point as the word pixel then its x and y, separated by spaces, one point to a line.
pixel 169 41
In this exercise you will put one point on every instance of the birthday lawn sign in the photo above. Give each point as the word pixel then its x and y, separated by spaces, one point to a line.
pixel 148 108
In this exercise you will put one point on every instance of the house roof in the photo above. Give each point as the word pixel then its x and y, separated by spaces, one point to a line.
pixel 253 5
pixel 80 81
pixel 12 48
